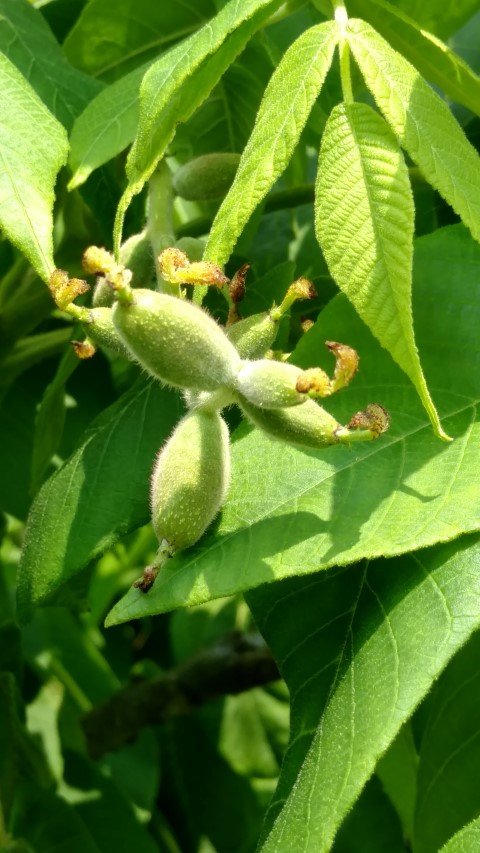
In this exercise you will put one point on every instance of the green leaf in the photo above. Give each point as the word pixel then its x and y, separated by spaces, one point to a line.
pixel 26 39
pixel 370 643
pixel 364 219
pixel 17 419
pixel 372 826
pixel 109 38
pixel 21 755
pixel 432 58
pixel 106 126
pixel 448 795
pixel 283 113
pixel 443 19
pixel 28 168
pixel 31 350
pixel 309 510
pixel 100 493
pixel 465 841
pixel 50 418
pixel 397 771
pixel 213 800
pixel 49 823
pixel 108 817
pixel 422 121
pixel 177 84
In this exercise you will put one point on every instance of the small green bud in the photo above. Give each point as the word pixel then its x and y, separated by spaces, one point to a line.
pixel 253 336
pixel 269 384
pixel 175 340
pixel 307 424
pixel 136 255
pixel 190 479
pixel 101 331
pixel 206 177
pixel 102 293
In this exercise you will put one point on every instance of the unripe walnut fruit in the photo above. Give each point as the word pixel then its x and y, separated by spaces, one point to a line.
pixel 269 384
pixel 176 341
pixel 307 425
pixel 190 479
pixel 102 332
pixel 254 335
pixel 206 177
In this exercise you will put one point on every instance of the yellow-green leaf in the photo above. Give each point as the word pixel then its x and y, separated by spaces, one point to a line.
pixel 365 221
pixel 33 147
pixel 422 122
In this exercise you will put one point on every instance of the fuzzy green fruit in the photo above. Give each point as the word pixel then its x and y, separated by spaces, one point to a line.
pixel 206 177
pixel 176 341
pixel 253 336
pixel 307 425
pixel 269 384
pixel 190 479
pixel 102 332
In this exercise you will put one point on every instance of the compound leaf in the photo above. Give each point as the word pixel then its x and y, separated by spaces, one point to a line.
pixel 283 113
pixel 422 122
pixel 364 217
pixel 432 58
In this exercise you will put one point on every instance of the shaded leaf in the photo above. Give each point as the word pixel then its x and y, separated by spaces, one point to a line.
pixel 105 127
pixel 293 511
pixel 364 219
pixel 442 19
pixel 422 121
pixel 372 826
pixel 466 840
pixel 50 418
pixel 448 795
pixel 283 113
pixel 108 816
pixel 100 493
pixel 33 147
pixel 370 643
pixel 179 82
pixel 109 38
pixel 26 39
pixel 432 58
pixel 397 771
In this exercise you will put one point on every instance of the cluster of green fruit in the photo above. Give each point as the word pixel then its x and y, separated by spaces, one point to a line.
pixel 180 344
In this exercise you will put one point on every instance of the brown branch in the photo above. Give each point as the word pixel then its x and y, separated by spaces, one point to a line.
pixel 233 664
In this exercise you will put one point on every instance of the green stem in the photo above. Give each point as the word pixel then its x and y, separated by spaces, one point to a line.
pixel 341 16
pixel 160 220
